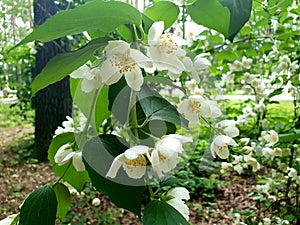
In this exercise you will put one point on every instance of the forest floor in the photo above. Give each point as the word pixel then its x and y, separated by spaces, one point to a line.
pixel 19 176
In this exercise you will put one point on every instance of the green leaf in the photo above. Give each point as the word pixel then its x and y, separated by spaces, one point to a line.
pixel 225 16
pixel 106 16
pixel 240 11
pixel 289 138
pixel 39 207
pixel 63 64
pixel 210 14
pixel 276 92
pixel 123 191
pixel 159 212
pixel 163 11
pixel 63 199
pixel 125 32
pixel 158 108
pixel 74 178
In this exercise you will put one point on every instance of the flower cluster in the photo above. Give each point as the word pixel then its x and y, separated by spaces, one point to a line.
pixel 163 157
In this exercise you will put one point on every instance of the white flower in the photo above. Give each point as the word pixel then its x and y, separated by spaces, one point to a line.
pixel 164 156
pixel 252 162
pixel 198 91
pixel 226 165
pixel 91 78
pixel 65 153
pixel 67 126
pixel 133 161
pixel 179 194
pixel 96 202
pixel 247 149
pixel 271 136
pixel 267 221
pixel 292 173
pixel 244 141
pixel 238 168
pixel 246 62
pixel 220 144
pixel 123 61
pixel 191 85
pixel 164 49
pixel 228 127
pixel 236 66
pixel 199 65
pixel 196 106
pixel 277 152
pixel 267 152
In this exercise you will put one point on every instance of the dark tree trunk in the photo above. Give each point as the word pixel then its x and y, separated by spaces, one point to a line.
pixel 53 103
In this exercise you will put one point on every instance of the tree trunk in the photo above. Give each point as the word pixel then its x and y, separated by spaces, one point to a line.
pixel 53 103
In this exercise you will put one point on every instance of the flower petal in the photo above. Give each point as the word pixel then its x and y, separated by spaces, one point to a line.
pixel 115 166
pixel 180 193
pixel 81 72
pixel 110 74
pixel 116 47
pixel 142 60
pixel 77 162
pixel 63 154
pixel 180 206
pixel 155 31
pixel 135 172
pixel 134 79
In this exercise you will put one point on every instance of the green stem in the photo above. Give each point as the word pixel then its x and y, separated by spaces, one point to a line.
pixel 61 177
pixel 151 192
pixel 89 118
pixel 183 19
pixel 150 135
pixel 133 115
pixel 144 123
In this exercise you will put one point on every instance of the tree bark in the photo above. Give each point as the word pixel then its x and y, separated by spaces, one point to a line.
pixel 53 103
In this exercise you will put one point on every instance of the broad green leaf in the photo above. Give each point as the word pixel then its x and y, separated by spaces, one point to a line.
pixel 63 64
pixel 123 191
pixel 288 137
pixel 158 108
pixel 210 14
pixel 125 32
pixel 163 11
pixel 225 16
pixel 76 179
pixel 276 92
pixel 240 11
pixel 63 199
pixel 106 16
pixel 39 207
pixel 159 212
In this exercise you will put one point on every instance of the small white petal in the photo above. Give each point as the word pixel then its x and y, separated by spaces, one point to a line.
pixel 77 162
pixel 81 72
pixel 110 74
pixel 180 193
pixel 134 79
pixel 63 154
pixel 116 47
pixel 155 31
pixel 115 166
pixel 142 60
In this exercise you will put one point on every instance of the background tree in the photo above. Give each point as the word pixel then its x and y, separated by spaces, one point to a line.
pixel 53 103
